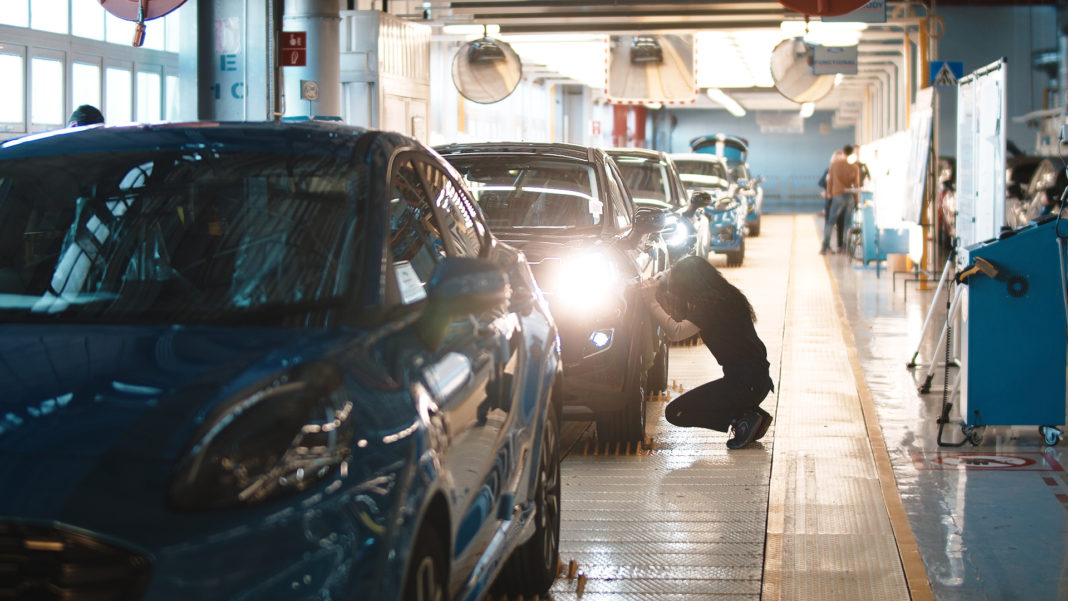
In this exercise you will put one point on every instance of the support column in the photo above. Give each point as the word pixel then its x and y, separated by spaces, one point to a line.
pixel 321 20
pixel 619 124
pixel 640 114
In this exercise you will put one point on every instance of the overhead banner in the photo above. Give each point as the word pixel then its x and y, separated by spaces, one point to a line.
pixel 981 140
pixel 827 60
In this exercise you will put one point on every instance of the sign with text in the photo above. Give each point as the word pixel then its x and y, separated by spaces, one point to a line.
pixel 827 60
pixel 294 48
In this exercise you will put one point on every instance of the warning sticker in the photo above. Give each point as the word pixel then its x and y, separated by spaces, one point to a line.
pixel 985 460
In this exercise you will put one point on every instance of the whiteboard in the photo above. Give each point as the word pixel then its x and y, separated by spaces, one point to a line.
pixel 981 139
pixel 919 150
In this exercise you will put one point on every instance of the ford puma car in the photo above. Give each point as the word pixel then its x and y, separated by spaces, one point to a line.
pixel 653 181
pixel 266 361
pixel 726 214
pixel 735 149
pixel 567 208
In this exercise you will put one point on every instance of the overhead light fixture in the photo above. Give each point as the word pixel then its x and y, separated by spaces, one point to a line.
pixel 719 96
pixel 824 34
pixel 466 29
pixel 654 106
pixel 807 108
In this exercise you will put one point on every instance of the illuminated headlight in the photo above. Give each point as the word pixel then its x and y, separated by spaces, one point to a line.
pixel 271 439
pixel 589 281
pixel 677 236
pixel 601 339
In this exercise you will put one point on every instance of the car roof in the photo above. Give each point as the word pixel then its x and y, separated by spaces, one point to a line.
pixel 301 137
pixel 636 152
pixel 551 149
pixel 698 156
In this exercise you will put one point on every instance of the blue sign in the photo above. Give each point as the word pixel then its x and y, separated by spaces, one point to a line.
pixel 945 74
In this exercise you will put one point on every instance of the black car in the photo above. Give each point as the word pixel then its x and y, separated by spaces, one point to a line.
pixel 567 208
pixel 645 49
pixel 653 181
pixel 485 50
pixel 266 361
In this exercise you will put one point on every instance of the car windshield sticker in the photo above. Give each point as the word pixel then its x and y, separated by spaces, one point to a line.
pixel 411 289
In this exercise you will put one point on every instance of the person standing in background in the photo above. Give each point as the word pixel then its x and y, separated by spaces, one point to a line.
pixel 843 178
pixel 85 114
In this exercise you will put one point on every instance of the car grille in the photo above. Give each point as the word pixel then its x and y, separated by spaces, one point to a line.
pixel 40 563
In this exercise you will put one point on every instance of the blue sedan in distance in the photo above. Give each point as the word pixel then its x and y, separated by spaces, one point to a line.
pixel 267 361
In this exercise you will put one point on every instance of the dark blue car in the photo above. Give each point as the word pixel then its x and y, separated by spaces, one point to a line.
pixel 266 361
pixel 701 172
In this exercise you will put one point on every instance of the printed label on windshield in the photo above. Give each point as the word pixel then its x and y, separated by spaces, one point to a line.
pixel 411 288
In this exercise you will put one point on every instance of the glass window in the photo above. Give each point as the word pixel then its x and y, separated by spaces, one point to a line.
pixel 118 95
pixel 46 92
pixel 118 31
pixel 12 101
pixel 464 229
pixel 171 106
pixel 171 31
pixel 49 15
pixel 415 240
pixel 617 196
pixel 15 13
pixel 148 96
pixel 85 85
pixel 87 19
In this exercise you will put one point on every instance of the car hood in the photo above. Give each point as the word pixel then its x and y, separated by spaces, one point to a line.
pixel 77 392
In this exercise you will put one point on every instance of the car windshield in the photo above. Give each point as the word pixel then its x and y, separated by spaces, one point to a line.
pixel 708 174
pixel 646 179
pixel 516 192
pixel 177 237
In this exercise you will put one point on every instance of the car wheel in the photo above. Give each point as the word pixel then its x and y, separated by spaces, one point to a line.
pixel 658 373
pixel 531 569
pixel 734 258
pixel 627 424
pixel 754 228
pixel 427 578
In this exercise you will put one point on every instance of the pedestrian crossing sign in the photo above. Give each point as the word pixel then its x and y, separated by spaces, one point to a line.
pixel 945 74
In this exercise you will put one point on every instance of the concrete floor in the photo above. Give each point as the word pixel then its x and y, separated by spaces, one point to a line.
pixel 849 496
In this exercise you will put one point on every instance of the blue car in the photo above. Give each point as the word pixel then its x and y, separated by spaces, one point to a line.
pixel 267 361
pixel 735 149
pixel 701 172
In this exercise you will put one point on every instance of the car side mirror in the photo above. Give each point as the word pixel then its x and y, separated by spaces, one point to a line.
pixel 649 220
pixel 460 286
pixel 743 183
pixel 700 199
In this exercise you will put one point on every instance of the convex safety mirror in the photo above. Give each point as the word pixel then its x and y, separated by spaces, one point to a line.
pixel 486 70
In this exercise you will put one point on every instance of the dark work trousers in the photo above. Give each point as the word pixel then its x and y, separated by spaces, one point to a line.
pixel 716 404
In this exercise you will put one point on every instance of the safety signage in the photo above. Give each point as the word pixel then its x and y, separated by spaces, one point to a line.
pixel 827 60
pixel 986 460
pixel 945 74
pixel 872 12
pixel 294 48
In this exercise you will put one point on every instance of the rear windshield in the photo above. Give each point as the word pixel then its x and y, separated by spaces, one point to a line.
pixel 177 237
pixel 535 193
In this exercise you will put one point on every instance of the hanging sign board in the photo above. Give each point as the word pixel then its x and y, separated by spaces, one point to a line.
pixel 827 60
pixel 294 49
pixel 131 9
pixel 823 8
pixel 945 74
pixel 872 12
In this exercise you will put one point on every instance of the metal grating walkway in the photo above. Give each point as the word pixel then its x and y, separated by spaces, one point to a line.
pixel 799 515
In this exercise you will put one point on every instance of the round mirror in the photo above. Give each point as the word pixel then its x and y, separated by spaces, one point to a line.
pixel 128 9
pixel 486 70
pixel 791 69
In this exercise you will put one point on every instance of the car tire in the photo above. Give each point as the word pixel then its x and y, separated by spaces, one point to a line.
pixel 754 228
pixel 628 424
pixel 658 374
pixel 427 576
pixel 735 258
pixel 531 569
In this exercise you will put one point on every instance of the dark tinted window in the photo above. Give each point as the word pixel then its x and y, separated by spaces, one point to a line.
pixel 646 179
pixel 416 240
pixel 178 237
pixel 461 219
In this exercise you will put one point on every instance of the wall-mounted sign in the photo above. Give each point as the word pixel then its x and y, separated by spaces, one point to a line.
pixel 294 49
pixel 945 74
pixel 872 12
pixel 834 59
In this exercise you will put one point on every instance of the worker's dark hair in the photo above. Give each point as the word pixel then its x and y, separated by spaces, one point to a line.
pixel 695 282
pixel 848 149
pixel 85 114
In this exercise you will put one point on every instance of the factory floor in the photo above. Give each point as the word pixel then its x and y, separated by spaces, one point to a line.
pixel 849 495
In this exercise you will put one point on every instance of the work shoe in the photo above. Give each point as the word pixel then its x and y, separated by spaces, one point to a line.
pixel 765 421
pixel 744 429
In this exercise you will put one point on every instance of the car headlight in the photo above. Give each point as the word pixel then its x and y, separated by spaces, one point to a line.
pixel 679 236
pixel 589 281
pixel 276 437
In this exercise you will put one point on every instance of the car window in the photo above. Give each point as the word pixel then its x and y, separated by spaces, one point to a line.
pixel 531 192
pixel 461 219
pixel 702 173
pixel 645 178
pixel 618 196
pixel 416 241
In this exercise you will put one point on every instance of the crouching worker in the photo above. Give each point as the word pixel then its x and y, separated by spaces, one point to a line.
pixel 695 298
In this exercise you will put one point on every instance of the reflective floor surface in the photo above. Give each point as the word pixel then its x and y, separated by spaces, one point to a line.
pixel 849 496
